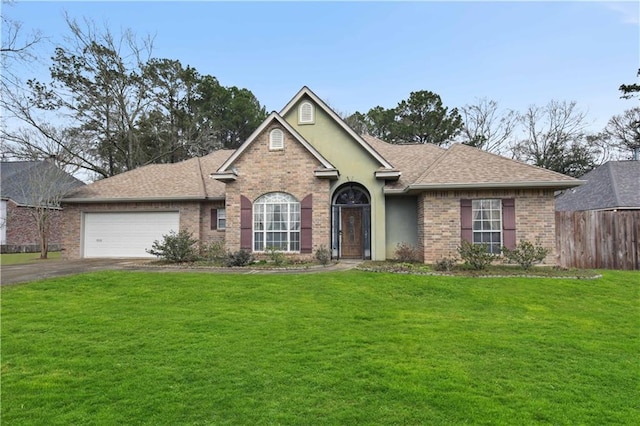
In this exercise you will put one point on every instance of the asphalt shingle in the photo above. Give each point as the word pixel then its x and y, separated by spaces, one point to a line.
pixel 613 185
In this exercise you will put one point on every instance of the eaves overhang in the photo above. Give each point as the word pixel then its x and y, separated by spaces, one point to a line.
pixel 327 173
pixel 388 174
pixel 138 199
pixel 484 185
pixel 227 176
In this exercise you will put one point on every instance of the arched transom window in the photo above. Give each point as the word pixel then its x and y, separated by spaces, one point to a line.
pixel 276 222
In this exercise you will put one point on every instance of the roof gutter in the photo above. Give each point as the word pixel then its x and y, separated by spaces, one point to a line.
pixel 137 200
pixel 486 185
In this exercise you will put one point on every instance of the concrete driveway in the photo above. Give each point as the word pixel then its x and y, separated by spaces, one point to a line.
pixel 15 274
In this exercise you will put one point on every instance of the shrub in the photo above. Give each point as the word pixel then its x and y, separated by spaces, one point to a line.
pixel 406 253
pixel 475 256
pixel 446 264
pixel 525 254
pixel 213 252
pixel 241 257
pixel 322 255
pixel 277 257
pixel 176 248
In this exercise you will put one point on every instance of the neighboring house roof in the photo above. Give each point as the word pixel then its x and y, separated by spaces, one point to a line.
pixel 19 178
pixel 186 180
pixel 613 185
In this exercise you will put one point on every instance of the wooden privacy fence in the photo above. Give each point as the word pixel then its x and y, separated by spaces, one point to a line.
pixel 598 239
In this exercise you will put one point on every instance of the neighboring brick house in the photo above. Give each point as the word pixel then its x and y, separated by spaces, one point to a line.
pixel 305 180
pixel 24 185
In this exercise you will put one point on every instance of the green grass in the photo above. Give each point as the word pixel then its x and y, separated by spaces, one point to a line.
pixel 332 348
pixel 20 258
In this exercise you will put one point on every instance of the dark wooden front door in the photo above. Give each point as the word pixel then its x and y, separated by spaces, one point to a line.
pixel 352 247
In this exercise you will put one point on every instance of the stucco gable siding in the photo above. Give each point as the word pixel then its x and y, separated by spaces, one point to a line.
pixel 332 141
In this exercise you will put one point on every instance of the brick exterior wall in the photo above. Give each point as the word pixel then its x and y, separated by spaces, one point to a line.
pixel 439 214
pixel 193 218
pixel 208 235
pixel 289 170
pixel 22 231
pixel 260 171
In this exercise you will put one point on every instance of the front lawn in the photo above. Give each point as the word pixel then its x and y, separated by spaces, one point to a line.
pixel 19 258
pixel 329 348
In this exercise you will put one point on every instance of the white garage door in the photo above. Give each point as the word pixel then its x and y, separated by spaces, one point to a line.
pixel 125 234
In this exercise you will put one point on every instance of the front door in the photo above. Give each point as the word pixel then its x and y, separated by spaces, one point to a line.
pixel 351 241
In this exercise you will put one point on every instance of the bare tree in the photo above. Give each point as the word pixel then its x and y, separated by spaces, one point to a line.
pixel 97 92
pixel 624 130
pixel 16 47
pixel 43 186
pixel 486 127
pixel 555 138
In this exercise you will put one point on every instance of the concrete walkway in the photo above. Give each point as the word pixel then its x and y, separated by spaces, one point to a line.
pixel 15 274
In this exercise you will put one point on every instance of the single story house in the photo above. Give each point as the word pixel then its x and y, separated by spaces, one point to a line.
pixel 305 180
pixel 615 185
pixel 24 186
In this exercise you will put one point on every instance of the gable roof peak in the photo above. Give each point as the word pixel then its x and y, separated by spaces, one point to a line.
pixel 305 91
pixel 224 169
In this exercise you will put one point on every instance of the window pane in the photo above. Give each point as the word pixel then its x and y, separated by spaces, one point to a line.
pixel 294 244
pixel 276 214
pixel 258 244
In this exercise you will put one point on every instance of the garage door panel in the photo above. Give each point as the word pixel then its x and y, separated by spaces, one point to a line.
pixel 126 234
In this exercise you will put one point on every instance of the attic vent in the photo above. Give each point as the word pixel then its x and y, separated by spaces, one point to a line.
pixel 305 114
pixel 276 139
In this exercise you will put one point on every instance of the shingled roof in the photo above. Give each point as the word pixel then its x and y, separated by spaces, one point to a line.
pixel 19 178
pixel 421 167
pixel 186 180
pixel 460 166
pixel 613 185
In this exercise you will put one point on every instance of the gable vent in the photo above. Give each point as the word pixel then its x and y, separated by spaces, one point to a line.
pixel 305 113
pixel 276 139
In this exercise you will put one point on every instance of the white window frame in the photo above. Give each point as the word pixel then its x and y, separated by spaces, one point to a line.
pixel 486 216
pixel 306 117
pixel 276 214
pixel 276 139
pixel 221 219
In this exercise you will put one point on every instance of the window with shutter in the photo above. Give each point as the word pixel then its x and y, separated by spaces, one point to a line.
pixel 276 139
pixel 490 222
pixel 276 222
pixel 218 219
pixel 305 113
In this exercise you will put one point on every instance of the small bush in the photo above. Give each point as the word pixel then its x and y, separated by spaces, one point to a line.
pixel 475 256
pixel 323 256
pixel 175 248
pixel 525 254
pixel 213 252
pixel 277 257
pixel 241 257
pixel 406 253
pixel 446 264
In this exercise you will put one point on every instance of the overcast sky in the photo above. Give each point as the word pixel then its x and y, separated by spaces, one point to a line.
pixel 357 55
